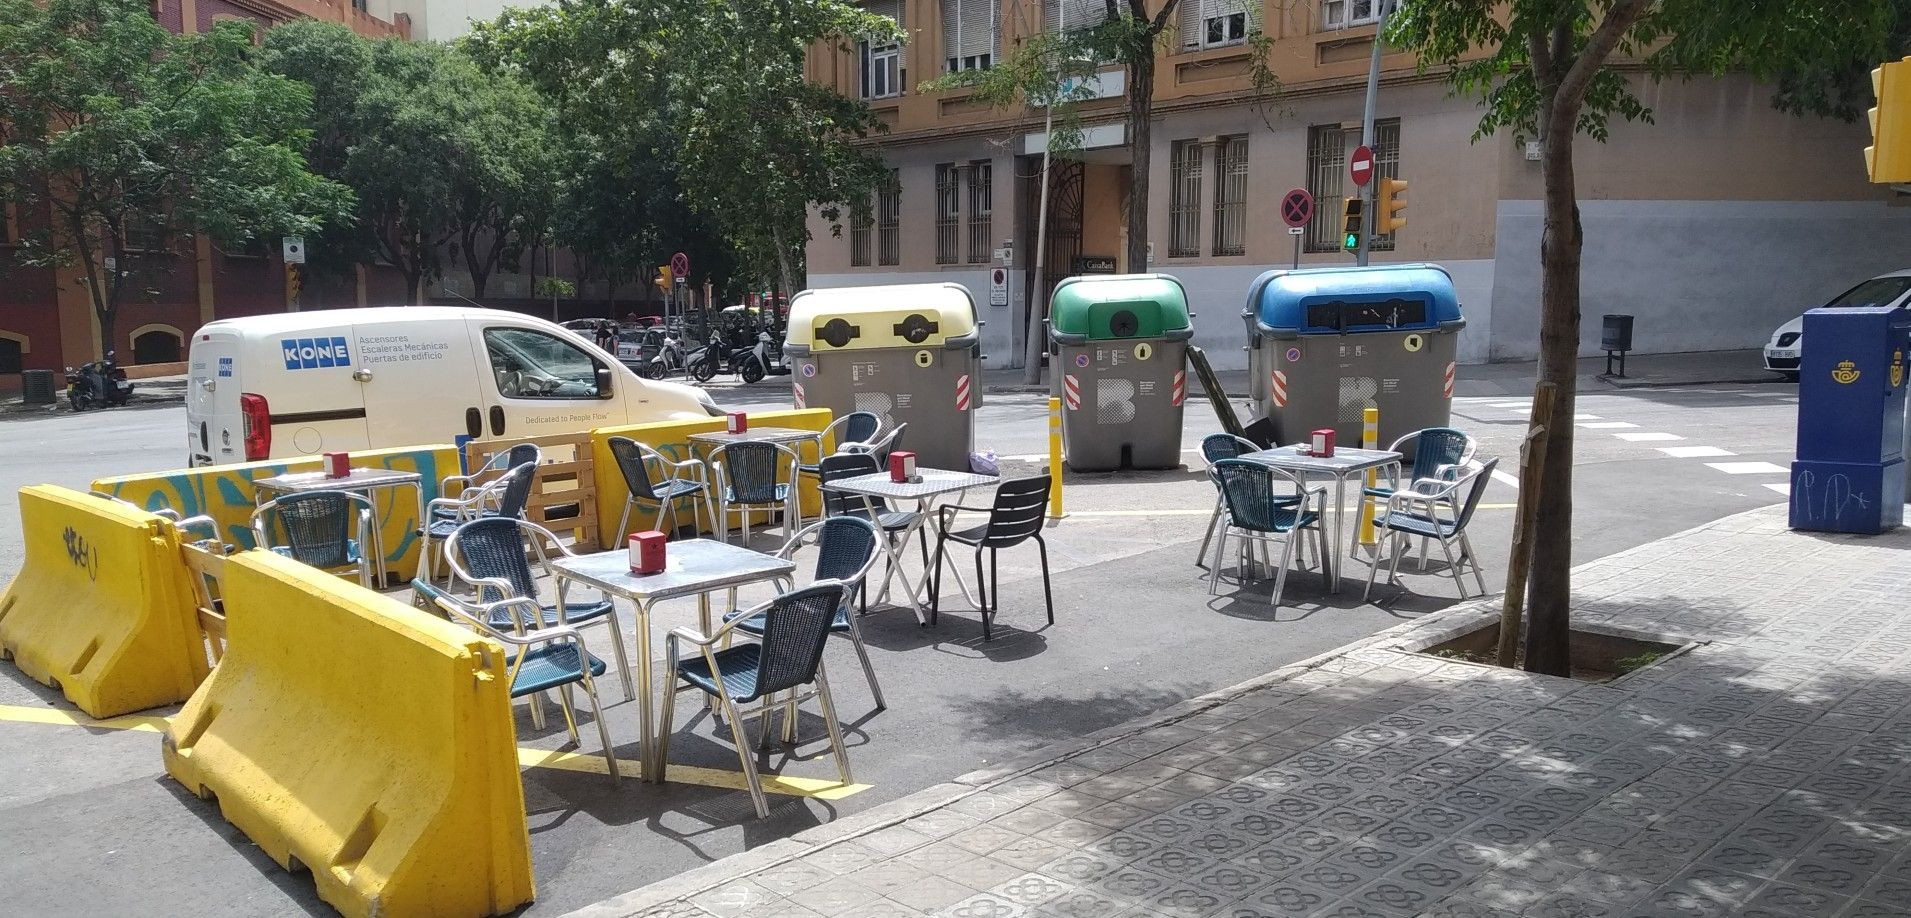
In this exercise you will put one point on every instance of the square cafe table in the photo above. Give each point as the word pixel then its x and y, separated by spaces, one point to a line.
pixel 934 482
pixel 714 438
pixel 1346 462
pixel 362 481
pixel 693 567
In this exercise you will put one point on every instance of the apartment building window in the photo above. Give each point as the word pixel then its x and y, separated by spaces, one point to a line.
pixel 860 221
pixel 1073 15
pixel 1184 203
pixel 981 211
pixel 360 5
pixel 142 234
pixel 948 214
pixel 889 221
pixel 1230 196
pixel 1386 166
pixel 882 74
pixel 1339 14
pixel 1215 23
pixel 1326 170
pixel 968 34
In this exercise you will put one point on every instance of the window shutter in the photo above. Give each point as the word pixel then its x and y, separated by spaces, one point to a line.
pixel 1190 22
pixel 890 8
pixel 968 28
pixel 1082 14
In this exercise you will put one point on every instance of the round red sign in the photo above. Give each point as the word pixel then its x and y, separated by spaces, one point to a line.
pixel 1361 166
pixel 1297 207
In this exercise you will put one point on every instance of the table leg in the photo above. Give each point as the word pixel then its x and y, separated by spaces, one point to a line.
pixel 1332 556
pixel 646 737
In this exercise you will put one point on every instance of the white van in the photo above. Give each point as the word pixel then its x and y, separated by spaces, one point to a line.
pixel 301 383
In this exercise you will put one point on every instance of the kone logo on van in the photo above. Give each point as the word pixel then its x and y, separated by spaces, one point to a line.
pixel 313 353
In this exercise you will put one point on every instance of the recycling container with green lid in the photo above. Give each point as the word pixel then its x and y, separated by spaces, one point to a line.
pixel 1119 346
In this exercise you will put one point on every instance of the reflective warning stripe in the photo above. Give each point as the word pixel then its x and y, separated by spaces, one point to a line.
pixel 1072 392
pixel 1449 383
pixel 797 388
pixel 962 392
pixel 1180 386
pixel 1280 389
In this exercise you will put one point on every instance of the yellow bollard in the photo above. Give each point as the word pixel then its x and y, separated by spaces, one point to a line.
pixel 1369 439
pixel 1055 458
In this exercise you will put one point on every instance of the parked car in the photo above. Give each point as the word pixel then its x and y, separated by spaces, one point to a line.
pixel 1782 351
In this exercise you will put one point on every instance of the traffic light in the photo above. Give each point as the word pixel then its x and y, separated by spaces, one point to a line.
pixel 1350 226
pixel 663 279
pixel 1888 159
pixel 1390 206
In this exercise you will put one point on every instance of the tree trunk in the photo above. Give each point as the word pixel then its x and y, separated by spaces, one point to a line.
pixel 1141 92
pixel 786 275
pixel 1549 593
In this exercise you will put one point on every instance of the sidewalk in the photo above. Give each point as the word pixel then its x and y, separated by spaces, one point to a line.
pixel 1760 772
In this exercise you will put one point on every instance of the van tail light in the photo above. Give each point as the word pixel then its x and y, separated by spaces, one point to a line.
pixel 256 421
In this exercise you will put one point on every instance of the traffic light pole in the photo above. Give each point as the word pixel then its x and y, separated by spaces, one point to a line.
pixel 1371 219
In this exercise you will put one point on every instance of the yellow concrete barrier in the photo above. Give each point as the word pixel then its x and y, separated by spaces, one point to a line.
pixel 362 739
pixel 672 438
pixel 225 493
pixel 102 608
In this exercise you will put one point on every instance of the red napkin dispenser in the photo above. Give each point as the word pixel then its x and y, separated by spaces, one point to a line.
pixel 902 467
pixel 736 422
pixel 337 465
pixel 647 552
pixel 1323 443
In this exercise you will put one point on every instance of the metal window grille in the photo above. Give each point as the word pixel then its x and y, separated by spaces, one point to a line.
pixel 981 211
pixel 1386 147
pixel 1326 171
pixel 1230 196
pixel 859 226
pixel 948 214
pixel 889 221
pixel 1184 205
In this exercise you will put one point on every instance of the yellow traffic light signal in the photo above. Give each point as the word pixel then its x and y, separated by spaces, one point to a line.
pixel 1350 226
pixel 1390 206
pixel 1888 159
pixel 664 278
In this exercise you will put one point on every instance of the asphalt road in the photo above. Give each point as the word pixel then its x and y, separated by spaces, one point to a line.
pixel 90 825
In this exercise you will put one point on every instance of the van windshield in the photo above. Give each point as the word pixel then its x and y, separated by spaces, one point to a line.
pixel 1878 291
pixel 531 364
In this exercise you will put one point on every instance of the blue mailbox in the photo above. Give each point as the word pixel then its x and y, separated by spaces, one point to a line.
pixel 1849 473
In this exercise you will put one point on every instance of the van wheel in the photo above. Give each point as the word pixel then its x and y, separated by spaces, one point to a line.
pixel 752 371
pixel 704 370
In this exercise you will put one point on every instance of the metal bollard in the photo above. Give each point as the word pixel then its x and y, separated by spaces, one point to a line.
pixel 1055 458
pixel 1369 439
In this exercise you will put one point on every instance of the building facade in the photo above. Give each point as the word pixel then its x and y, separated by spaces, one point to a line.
pixel 46 316
pixel 1712 225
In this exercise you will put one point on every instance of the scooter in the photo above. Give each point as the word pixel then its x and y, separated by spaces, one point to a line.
pixel 669 359
pixel 710 358
pixel 97 384
pixel 756 363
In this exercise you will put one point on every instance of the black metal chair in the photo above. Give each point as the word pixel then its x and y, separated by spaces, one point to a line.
pixel 892 523
pixel 505 496
pixel 634 461
pixel 881 447
pixel 796 627
pixel 1418 513
pixel 329 530
pixel 1015 517
pixel 856 428
pixel 750 477
pixel 1214 448
pixel 1265 503
pixel 845 551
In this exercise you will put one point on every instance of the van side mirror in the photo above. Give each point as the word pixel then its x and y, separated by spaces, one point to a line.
pixel 603 382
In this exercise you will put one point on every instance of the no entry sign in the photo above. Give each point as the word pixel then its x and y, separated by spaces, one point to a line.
pixel 1361 166
pixel 1297 207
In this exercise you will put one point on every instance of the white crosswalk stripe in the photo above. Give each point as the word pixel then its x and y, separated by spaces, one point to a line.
pixel 1695 452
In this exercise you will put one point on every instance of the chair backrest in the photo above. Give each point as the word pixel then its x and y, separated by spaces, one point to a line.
pixel 630 461
pixel 847 465
pixel 516 490
pixel 890 442
pixel 1481 479
pixel 844 547
pixel 795 627
pixel 1249 490
pixel 493 547
pixel 1435 447
pixel 318 526
pixel 1017 511
pixel 752 469
pixel 1215 447
pixel 521 453
pixel 859 427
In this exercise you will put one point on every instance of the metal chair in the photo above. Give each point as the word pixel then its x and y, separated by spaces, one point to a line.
pixel 552 657
pixel 505 496
pixel 634 460
pixel 490 555
pixel 1257 513
pixel 880 447
pixel 890 522
pixel 853 429
pixel 750 476
pixel 845 552
pixel 1418 513
pixel 519 454
pixel 320 531
pixel 1015 517
pixel 1215 447
pixel 796 626
pixel 1438 454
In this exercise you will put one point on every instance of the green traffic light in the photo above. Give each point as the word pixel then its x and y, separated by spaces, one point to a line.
pixel 1353 241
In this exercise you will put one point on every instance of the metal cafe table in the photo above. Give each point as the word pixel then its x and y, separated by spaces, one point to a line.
pixel 934 483
pixel 1346 462
pixel 693 567
pixel 363 481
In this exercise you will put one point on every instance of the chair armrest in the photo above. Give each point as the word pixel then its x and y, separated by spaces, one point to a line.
pixel 945 514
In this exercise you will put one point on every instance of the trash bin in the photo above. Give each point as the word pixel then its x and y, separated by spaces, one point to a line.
pixel 1120 346
pixel 36 387
pixel 1327 343
pixel 1615 332
pixel 910 353
pixel 1849 474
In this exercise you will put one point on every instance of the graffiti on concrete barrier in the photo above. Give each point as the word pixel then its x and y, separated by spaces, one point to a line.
pixel 81 553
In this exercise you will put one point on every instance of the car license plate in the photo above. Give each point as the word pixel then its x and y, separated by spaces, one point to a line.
pixel 1785 353
pixel 629 352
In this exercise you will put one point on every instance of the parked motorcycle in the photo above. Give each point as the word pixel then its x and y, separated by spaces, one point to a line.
pixel 707 360
pixel 668 360
pixel 97 384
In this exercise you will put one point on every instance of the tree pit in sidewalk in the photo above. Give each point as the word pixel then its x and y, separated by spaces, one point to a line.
pixel 1597 656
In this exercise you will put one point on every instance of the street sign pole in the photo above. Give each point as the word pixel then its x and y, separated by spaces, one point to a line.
pixel 1367 136
pixel 1296 233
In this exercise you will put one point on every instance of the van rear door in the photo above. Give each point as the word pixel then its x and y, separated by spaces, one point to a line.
pixel 214 431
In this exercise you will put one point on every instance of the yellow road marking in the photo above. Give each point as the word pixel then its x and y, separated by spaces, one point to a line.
pixel 527 757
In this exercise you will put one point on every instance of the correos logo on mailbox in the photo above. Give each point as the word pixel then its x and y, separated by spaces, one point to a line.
pixel 313 353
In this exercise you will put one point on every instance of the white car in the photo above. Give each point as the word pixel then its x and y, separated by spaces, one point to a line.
pixel 1781 353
